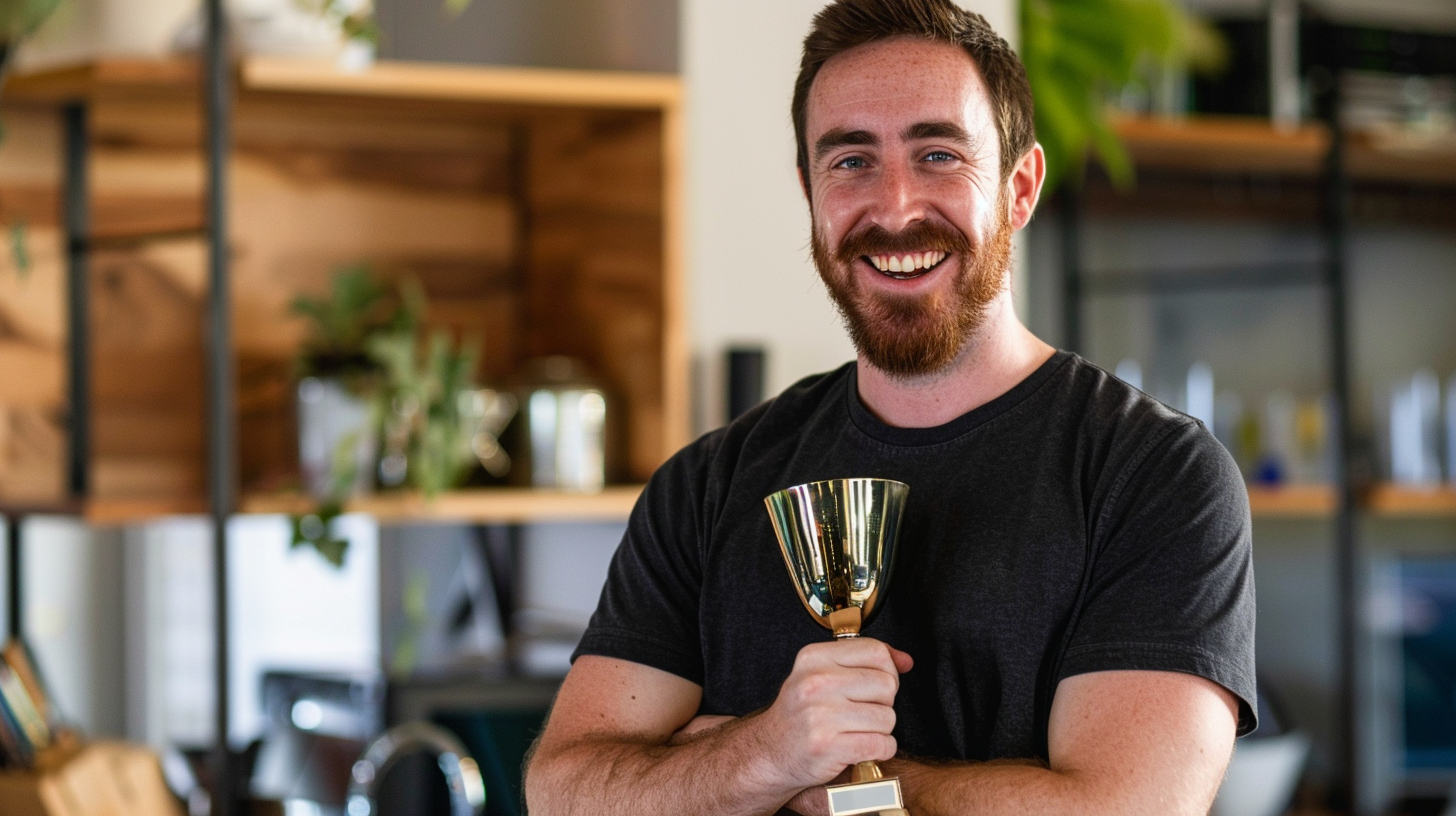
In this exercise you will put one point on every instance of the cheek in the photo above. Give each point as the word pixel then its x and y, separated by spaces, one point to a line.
pixel 832 216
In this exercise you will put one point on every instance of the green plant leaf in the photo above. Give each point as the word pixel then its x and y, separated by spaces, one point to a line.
pixel 1077 54
pixel 316 530
pixel 21 17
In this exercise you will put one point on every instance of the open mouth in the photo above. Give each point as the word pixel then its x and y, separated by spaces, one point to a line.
pixel 905 266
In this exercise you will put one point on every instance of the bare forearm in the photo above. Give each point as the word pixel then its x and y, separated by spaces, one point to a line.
pixel 1026 788
pixel 715 772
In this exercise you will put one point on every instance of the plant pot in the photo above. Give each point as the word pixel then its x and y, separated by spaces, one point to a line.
pixel 337 445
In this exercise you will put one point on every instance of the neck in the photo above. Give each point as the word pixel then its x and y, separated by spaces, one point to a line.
pixel 997 356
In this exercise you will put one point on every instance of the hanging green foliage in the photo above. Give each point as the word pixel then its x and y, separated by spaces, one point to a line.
pixel 19 18
pixel 1077 54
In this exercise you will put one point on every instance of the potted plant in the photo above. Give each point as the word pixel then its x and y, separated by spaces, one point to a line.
pixel 381 406
pixel 1079 53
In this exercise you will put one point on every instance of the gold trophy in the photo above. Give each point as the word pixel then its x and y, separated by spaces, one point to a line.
pixel 838 541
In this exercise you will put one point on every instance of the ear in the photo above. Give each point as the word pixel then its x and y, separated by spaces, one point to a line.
pixel 1023 186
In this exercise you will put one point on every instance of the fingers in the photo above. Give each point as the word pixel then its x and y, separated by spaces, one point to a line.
pixel 835 709
pixel 829 684
pixel 903 661
pixel 865 653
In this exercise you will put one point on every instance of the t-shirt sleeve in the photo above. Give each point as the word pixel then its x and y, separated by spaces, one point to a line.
pixel 1171 580
pixel 648 611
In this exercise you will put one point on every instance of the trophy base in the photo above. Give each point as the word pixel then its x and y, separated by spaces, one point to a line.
pixel 878 796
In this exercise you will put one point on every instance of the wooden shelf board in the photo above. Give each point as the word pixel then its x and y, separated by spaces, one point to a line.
pixel 1228 144
pixel 466 83
pixel 504 505
pixel 1223 144
pixel 1292 501
pixel 1400 500
pixel 386 80
pixel 111 512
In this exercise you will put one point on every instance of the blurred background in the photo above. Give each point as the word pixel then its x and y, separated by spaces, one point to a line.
pixel 487 264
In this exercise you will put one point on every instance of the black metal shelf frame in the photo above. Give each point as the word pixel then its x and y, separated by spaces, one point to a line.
pixel 1331 274
pixel 222 493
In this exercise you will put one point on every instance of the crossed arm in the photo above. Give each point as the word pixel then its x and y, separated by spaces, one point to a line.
pixel 623 739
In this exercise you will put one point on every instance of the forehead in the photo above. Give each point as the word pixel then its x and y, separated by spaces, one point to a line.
pixel 887 84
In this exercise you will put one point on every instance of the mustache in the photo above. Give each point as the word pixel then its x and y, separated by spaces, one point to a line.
pixel 921 236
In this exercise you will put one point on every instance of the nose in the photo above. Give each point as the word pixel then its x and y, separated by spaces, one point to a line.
pixel 899 198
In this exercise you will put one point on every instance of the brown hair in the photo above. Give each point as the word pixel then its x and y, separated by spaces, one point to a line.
pixel 846 24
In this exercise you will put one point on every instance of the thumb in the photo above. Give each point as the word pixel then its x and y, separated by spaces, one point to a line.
pixel 903 661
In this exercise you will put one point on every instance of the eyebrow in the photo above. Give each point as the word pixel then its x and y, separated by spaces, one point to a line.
pixel 842 137
pixel 938 130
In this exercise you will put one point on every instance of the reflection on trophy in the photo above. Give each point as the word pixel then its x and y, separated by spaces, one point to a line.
pixel 838 541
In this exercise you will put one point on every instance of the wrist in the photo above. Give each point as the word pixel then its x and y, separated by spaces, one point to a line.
pixel 754 738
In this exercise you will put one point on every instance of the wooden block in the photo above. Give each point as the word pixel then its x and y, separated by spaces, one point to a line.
pixel 102 779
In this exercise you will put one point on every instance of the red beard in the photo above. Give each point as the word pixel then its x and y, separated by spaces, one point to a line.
pixel 909 336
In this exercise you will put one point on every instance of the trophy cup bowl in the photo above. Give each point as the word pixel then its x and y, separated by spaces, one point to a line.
pixel 838 542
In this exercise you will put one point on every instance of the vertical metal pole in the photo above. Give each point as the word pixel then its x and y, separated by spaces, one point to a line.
pixel 77 219
pixel 1071 217
pixel 1350 586
pixel 14 622
pixel 218 96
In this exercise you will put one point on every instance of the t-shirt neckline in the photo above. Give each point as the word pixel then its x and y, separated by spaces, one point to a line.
pixel 876 428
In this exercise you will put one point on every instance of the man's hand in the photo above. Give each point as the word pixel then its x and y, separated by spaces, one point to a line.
pixel 623 738
pixel 835 709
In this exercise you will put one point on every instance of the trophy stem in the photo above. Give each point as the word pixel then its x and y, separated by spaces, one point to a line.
pixel 867 771
pixel 846 622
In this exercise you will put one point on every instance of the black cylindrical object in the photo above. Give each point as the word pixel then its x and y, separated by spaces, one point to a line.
pixel 745 378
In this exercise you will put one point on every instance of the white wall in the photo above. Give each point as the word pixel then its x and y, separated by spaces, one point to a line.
pixel 73 613
pixel 751 277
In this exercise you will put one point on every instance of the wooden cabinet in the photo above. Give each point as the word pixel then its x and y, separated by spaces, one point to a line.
pixel 540 210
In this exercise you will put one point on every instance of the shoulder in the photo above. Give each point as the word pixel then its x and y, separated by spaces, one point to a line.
pixel 705 466
pixel 1142 444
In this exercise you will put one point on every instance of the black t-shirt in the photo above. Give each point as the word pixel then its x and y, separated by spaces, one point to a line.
pixel 1071 525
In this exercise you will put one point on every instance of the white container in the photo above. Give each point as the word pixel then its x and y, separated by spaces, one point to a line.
pixel 1415 430
pixel 333 425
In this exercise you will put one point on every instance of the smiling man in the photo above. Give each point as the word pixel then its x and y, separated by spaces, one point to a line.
pixel 1071 624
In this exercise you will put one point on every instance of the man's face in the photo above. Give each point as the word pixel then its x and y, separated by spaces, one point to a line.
pixel 910 222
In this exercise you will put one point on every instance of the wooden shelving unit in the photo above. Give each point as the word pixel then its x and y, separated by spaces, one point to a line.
pixel 541 210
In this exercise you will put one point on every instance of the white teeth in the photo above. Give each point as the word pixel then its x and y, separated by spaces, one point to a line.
pixel 906 264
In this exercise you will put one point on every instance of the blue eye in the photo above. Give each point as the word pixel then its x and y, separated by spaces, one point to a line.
pixel 851 163
pixel 939 156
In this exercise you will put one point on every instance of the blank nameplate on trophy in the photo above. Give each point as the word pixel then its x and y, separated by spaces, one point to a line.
pixel 865 797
